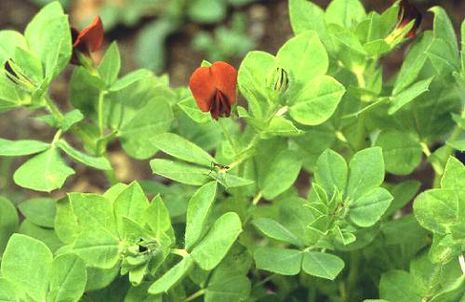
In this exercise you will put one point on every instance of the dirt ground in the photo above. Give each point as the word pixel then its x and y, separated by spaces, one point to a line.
pixel 268 22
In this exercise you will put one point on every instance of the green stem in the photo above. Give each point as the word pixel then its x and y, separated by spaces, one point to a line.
pixel 101 98
pixel 195 295
pixel 53 108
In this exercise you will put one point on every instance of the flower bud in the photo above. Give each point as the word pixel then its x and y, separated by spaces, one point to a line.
pixel 279 80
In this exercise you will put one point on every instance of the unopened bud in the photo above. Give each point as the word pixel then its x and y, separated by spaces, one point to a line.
pixel 279 80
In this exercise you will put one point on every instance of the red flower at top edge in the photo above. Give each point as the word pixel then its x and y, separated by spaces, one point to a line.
pixel 407 13
pixel 88 40
pixel 214 88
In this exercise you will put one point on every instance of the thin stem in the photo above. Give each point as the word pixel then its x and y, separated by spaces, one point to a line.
pixel 227 135
pixel 53 108
pixel 268 278
pixel 101 102
pixel 195 295
pixel 257 198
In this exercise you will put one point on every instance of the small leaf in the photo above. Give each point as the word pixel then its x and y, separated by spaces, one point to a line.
pixel 331 172
pixel 100 163
pixel 198 209
pixel 366 210
pixel 399 286
pixel 110 65
pixel 158 218
pixel 404 97
pixel 366 171
pixel 285 262
pixel 8 222
pixel 44 172
pixel 180 172
pixel 171 277
pixel 40 211
pixel 345 13
pixel 275 230
pixel 183 149
pixel 97 248
pixel 68 279
pixel 130 79
pixel 322 265
pixel 214 246
pixel 401 151
pixel 130 203
pixel 26 263
pixel 21 147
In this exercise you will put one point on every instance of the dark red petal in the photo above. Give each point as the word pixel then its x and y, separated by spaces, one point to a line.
pixel 91 37
pixel 225 77
pixel 202 87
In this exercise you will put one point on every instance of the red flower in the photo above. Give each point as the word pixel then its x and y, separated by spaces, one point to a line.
pixel 214 88
pixel 407 13
pixel 89 40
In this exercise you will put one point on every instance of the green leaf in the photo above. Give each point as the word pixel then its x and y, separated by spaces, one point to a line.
pixel 278 170
pixel 66 224
pixel 68 279
pixel 189 107
pixel 322 265
pixel 277 231
pixel 444 29
pixel 9 41
pixel 26 264
pixel 94 212
pixel 49 36
pixel 306 15
pixel 97 248
pixel 71 118
pixel 180 172
pixel 252 81
pixel 171 277
pixel 346 13
pixel 214 246
pixel 399 286
pixel 100 163
pixel 437 209
pixel 46 235
pixel 130 79
pixel 110 65
pixel 454 175
pixel 183 149
pixel 366 210
pixel 8 222
pixel 317 101
pixel 148 122
pixel 40 211
pixel 401 151
pixel 278 260
pixel 21 147
pixel 366 171
pixel 130 203
pixel 309 52
pixel 198 209
pixel 406 96
pixel 158 218
pixel 227 288
pixel 331 172
pixel 7 291
pixel 44 172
